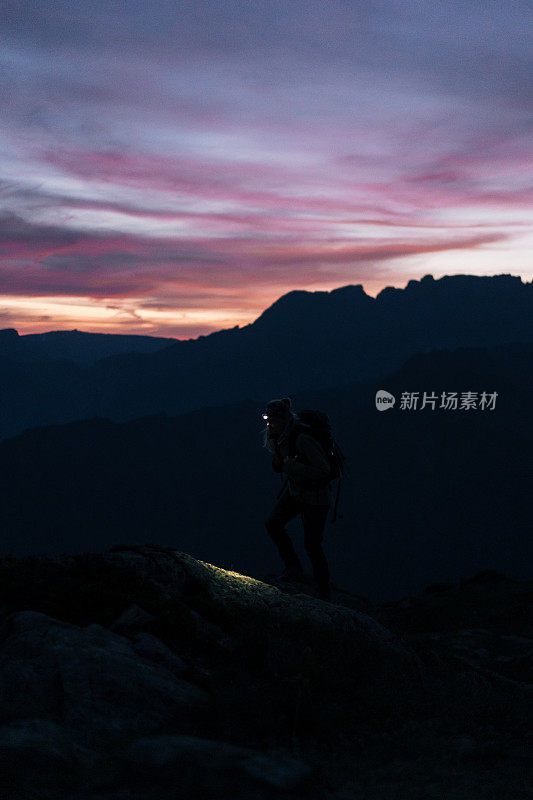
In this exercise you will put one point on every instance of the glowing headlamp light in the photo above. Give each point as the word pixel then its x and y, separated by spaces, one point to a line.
pixel 265 416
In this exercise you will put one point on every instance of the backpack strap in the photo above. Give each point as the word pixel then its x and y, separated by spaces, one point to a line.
pixel 337 500
pixel 284 486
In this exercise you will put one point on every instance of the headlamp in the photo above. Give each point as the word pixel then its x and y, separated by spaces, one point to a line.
pixel 265 416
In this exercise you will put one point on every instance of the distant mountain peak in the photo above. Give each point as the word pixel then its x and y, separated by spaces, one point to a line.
pixel 351 290
pixel 454 283
pixel 302 301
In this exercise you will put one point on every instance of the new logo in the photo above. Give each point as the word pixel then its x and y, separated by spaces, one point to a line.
pixel 384 400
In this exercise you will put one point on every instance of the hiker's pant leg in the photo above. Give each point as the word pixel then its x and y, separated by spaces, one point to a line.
pixel 285 509
pixel 314 521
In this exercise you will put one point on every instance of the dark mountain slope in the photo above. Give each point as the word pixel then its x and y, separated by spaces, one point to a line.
pixel 431 495
pixel 305 341
pixel 78 346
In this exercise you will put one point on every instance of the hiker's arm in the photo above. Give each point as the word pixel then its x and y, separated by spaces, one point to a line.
pixel 277 461
pixel 317 466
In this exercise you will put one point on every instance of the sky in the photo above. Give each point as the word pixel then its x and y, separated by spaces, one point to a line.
pixel 171 168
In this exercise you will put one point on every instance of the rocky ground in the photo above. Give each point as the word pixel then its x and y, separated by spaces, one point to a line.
pixel 142 673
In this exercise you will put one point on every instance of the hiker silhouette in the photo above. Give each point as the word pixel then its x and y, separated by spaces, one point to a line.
pixel 306 492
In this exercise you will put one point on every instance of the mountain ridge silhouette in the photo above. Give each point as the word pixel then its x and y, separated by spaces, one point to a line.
pixel 302 342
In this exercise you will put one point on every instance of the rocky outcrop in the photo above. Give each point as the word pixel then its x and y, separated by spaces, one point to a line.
pixel 143 672
pixel 89 679
pixel 206 768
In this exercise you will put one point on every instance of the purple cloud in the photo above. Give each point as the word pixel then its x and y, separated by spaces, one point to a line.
pixel 211 155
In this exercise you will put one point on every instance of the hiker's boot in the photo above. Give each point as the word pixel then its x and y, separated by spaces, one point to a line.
pixel 292 573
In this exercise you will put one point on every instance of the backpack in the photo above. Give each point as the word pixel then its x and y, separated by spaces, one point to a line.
pixel 317 424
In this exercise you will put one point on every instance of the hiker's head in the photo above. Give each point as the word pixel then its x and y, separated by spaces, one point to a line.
pixel 277 414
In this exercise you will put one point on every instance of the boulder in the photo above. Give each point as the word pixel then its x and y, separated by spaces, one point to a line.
pixel 203 768
pixel 132 620
pixel 89 678
pixel 57 763
pixel 150 648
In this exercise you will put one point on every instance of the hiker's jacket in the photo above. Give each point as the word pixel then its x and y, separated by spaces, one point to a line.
pixel 308 472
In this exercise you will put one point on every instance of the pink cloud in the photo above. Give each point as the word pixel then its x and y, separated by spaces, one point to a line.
pixel 69 262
